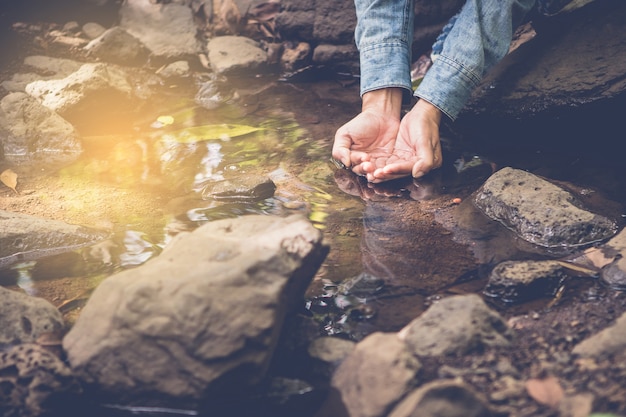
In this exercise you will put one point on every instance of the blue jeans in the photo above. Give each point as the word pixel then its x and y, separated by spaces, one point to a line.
pixel 479 37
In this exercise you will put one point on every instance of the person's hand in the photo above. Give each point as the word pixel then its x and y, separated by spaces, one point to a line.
pixel 417 148
pixel 372 132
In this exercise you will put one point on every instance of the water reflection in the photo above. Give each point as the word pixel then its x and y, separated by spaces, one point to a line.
pixel 405 255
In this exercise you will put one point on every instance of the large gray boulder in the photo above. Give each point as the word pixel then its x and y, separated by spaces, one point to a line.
pixel 203 316
pixel 540 212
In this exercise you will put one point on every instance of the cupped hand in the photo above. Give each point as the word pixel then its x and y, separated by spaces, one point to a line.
pixel 417 148
pixel 371 133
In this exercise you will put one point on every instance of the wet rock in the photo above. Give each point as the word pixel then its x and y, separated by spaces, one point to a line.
pixel 116 45
pixel 362 285
pixel 456 325
pixel 443 398
pixel 203 317
pixel 31 132
pixel 35 382
pixel 375 375
pixel 579 405
pixel 178 69
pixel 235 54
pixel 167 30
pixel 44 68
pixel 331 350
pixel 516 281
pixel 24 237
pixel 539 211
pixel 97 96
pixel 24 318
pixel 609 341
pixel 241 188
pixel 92 29
pixel 335 55
pixel 568 74
pixel 295 57
pixel 611 259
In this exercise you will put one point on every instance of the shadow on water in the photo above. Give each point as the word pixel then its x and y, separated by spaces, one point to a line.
pixel 394 247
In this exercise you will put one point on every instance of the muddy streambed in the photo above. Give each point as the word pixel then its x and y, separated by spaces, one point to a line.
pixel 394 247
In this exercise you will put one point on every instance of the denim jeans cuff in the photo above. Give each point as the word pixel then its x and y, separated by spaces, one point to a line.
pixel 385 65
pixel 447 85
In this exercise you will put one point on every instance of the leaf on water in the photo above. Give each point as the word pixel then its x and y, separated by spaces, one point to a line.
pixel 545 391
pixel 9 178
pixel 211 132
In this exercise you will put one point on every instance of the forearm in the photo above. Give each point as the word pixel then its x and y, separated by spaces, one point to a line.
pixel 480 38
pixel 383 36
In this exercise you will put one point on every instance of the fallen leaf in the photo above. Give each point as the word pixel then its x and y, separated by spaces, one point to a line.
pixel 9 178
pixel 545 391
pixel 210 132
pixel 265 11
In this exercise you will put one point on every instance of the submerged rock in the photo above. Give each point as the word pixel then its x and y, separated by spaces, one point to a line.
pixel 241 188
pixel 202 317
pixel 24 237
pixel 515 281
pixel 539 211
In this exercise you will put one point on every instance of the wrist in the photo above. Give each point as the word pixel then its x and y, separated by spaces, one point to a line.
pixel 387 101
pixel 428 110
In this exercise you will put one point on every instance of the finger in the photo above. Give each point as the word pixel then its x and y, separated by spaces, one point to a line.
pixel 393 171
pixel 341 150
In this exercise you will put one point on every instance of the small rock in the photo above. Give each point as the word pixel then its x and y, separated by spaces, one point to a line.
pixel 118 46
pixel 516 281
pixel 24 318
pixel 242 188
pixel 235 54
pixel 456 325
pixel 443 398
pixel 178 69
pixel 35 382
pixel 92 30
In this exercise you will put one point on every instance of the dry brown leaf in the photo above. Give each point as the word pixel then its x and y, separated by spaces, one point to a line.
pixel 545 391
pixel 9 178
pixel 265 11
